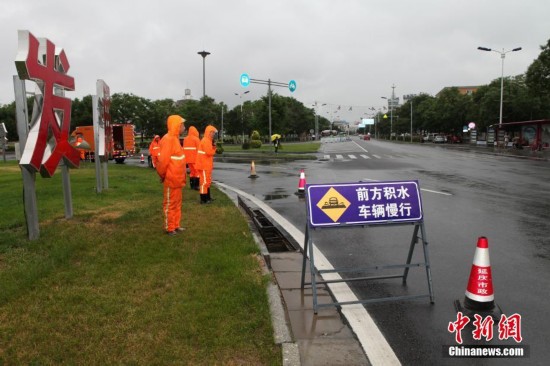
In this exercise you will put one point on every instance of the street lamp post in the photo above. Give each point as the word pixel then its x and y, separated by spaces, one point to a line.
pixel 203 54
pixel 411 120
pixel 390 105
pixel 242 118
pixel 502 56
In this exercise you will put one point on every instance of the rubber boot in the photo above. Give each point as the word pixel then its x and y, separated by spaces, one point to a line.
pixel 210 199
pixel 204 199
pixel 197 183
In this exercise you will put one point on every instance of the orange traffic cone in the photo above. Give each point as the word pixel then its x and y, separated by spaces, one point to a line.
pixel 142 159
pixel 253 174
pixel 302 182
pixel 480 298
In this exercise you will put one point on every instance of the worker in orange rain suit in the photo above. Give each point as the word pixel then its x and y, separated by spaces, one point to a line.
pixel 205 162
pixel 171 169
pixel 79 141
pixel 154 150
pixel 190 147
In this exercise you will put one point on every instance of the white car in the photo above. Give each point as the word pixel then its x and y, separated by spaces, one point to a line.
pixel 439 139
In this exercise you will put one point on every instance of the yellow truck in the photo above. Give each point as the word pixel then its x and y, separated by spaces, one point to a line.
pixel 120 141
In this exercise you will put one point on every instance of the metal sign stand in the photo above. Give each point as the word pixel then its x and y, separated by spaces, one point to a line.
pixel 308 249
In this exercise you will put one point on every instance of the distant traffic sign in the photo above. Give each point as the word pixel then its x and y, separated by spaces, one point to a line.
pixel 245 80
pixel 292 86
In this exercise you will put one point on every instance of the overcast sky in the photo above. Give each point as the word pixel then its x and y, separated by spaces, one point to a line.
pixel 346 52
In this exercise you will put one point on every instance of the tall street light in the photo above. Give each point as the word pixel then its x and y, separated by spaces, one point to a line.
pixel 390 105
pixel 242 119
pixel 502 56
pixel 203 54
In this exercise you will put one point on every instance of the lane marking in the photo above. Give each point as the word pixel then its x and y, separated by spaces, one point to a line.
pixel 359 146
pixel 327 157
pixel 436 192
pixel 339 156
pixel 365 156
pixel 422 189
pixel 352 156
pixel 376 347
pixel 376 156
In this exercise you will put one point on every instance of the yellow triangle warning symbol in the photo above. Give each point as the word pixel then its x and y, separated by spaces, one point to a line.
pixel 333 204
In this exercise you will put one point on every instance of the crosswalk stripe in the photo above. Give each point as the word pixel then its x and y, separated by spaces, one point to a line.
pixel 339 156
pixel 376 156
pixel 365 156
pixel 327 157
pixel 352 156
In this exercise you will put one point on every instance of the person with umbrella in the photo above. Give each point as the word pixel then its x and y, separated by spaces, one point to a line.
pixel 275 139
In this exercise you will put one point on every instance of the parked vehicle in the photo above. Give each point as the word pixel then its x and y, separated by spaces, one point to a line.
pixel 439 139
pixel 428 137
pixel 120 141
pixel 454 139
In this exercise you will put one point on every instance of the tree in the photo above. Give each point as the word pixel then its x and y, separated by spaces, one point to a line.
pixel 129 108
pixel 538 74
pixel 81 112
pixel 537 79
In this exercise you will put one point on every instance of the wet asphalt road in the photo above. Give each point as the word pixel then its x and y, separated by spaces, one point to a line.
pixel 465 195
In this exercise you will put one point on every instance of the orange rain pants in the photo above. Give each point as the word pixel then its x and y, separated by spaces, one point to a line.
pixel 172 208
pixel 205 177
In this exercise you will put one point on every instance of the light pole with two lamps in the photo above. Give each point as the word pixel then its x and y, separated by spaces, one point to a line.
pixel 240 95
pixel 502 56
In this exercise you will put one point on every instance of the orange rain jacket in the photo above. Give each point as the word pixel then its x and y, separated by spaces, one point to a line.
pixel 206 152
pixel 154 150
pixel 191 145
pixel 171 163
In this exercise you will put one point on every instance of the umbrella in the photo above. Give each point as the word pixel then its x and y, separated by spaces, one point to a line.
pixel 275 136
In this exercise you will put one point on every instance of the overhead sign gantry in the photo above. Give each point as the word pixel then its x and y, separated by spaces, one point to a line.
pixel 245 81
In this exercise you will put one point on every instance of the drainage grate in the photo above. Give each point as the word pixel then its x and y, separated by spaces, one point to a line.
pixel 273 238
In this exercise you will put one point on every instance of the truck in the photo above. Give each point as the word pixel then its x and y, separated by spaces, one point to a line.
pixel 120 142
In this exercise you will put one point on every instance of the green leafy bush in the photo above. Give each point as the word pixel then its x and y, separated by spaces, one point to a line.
pixel 255 140
pixel 255 144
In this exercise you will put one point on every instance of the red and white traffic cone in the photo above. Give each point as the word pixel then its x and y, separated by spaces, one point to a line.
pixel 480 297
pixel 302 182
pixel 142 159
pixel 253 174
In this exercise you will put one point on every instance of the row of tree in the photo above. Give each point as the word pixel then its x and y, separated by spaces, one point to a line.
pixel 526 97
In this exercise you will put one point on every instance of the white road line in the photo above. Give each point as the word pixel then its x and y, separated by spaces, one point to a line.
pixel 436 192
pixel 365 156
pixel 361 147
pixel 352 156
pixel 339 156
pixel 327 157
pixel 378 350
pixel 422 189
pixel 376 156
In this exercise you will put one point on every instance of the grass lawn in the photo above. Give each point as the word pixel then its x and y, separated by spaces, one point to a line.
pixel 109 287
pixel 286 148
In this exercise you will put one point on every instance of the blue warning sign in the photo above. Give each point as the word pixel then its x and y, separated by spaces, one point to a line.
pixel 363 203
